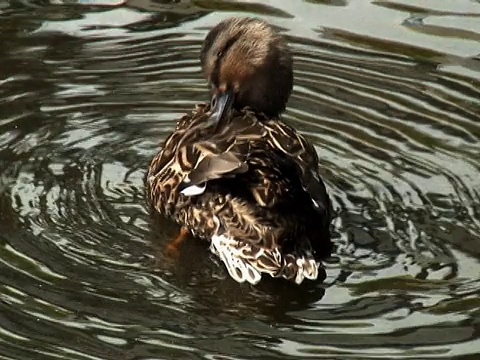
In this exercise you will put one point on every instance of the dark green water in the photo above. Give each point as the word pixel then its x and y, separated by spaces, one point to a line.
pixel 389 91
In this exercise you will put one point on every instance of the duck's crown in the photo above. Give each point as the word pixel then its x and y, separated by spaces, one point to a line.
pixel 249 60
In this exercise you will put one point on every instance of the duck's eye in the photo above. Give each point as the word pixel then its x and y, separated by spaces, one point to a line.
pixel 219 54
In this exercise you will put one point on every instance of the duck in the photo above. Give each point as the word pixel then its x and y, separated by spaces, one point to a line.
pixel 233 173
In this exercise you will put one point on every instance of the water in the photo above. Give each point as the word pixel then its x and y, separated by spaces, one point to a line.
pixel 387 90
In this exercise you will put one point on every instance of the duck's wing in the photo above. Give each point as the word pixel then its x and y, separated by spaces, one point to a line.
pixel 196 153
pixel 297 161
pixel 175 160
pixel 277 158
pixel 223 154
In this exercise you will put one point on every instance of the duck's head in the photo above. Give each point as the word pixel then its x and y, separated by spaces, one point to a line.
pixel 247 64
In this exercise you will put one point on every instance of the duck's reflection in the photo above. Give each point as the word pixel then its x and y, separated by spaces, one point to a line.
pixel 198 272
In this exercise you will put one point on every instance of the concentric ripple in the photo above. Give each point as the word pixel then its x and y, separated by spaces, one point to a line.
pixel 87 93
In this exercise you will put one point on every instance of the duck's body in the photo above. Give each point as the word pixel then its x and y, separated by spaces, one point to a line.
pixel 246 182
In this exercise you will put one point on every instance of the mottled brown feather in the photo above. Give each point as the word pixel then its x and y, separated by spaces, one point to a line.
pixel 256 179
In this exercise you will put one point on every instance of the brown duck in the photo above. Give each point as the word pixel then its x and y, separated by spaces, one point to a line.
pixel 236 175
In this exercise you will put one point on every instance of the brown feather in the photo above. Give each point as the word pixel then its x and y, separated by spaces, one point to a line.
pixel 266 159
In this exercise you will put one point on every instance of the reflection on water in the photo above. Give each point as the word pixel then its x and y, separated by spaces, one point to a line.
pixel 388 92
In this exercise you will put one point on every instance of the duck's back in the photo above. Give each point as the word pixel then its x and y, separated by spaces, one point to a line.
pixel 250 178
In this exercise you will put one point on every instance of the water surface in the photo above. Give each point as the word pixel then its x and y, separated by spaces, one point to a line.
pixel 388 91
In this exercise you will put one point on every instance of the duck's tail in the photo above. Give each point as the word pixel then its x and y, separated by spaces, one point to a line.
pixel 246 262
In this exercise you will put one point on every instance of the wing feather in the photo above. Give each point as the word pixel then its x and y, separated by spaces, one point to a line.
pixel 300 155
pixel 274 157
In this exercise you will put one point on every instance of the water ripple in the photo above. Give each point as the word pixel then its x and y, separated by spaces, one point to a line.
pixel 87 93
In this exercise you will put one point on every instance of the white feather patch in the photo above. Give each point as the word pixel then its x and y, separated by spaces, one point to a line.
pixel 238 268
pixel 194 190
pixel 307 269
pixel 241 270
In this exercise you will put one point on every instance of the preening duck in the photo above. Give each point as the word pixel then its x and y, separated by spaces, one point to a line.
pixel 233 173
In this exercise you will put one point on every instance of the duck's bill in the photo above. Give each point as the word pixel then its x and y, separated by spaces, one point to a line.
pixel 221 104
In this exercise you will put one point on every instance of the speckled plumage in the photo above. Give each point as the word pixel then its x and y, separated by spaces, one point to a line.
pixel 254 192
